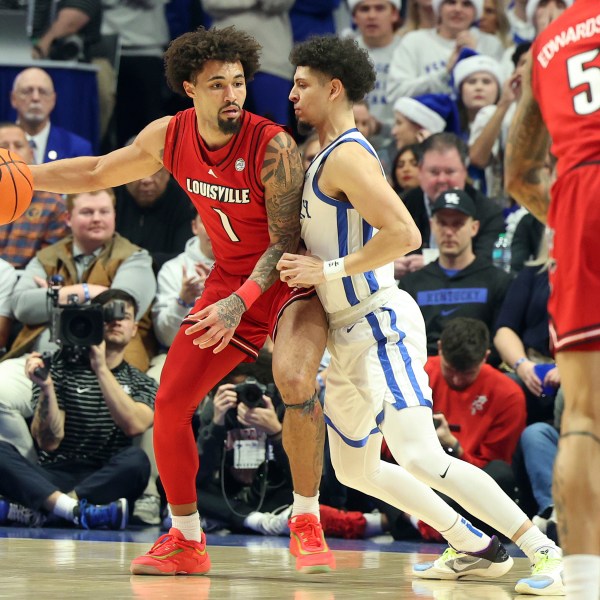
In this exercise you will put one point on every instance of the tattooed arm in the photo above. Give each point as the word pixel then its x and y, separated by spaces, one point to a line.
pixel 526 178
pixel 282 176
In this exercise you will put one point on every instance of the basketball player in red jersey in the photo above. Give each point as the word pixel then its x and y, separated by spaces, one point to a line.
pixel 244 175
pixel 564 94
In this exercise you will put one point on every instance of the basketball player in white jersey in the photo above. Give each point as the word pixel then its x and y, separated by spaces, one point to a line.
pixel 354 226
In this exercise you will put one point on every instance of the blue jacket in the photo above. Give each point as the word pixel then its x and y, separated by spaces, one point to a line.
pixel 64 144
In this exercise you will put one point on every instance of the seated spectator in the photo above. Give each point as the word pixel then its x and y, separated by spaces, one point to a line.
pixel 180 282
pixel 526 241
pixel 415 119
pixel 478 82
pixel 405 172
pixel 489 129
pixel 376 23
pixel 65 29
pixel 87 262
pixel 459 283
pixel 424 59
pixel 43 223
pixel 522 336
pixel 84 420
pixel 155 213
pixel 8 279
pixel 34 98
pixel 443 165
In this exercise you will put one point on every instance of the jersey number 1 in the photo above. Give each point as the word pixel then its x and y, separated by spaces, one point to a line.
pixel 227 225
pixel 588 101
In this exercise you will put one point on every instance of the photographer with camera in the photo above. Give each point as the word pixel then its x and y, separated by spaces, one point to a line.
pixel 244 470
pixel 82 265
pixel 85 418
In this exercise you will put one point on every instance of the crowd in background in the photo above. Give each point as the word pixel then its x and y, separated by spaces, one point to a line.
pixel 449 76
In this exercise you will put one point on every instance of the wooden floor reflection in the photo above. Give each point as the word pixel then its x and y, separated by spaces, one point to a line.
pixel 56 569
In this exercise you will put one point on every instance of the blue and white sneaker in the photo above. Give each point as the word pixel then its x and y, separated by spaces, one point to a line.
pixel 110 516
pixel 546 574
pixel 490 562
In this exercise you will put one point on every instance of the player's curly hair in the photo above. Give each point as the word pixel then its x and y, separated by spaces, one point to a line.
pixel 186 55
pixel 340 58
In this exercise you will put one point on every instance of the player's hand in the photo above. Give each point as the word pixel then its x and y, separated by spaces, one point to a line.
pixel 224 399
pixel 217 322
pixel 300 271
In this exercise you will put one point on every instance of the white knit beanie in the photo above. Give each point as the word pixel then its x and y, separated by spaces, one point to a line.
pixel 478 4
pixel 532 6
pixel 417 112
pixel 474 64
pixel 352 4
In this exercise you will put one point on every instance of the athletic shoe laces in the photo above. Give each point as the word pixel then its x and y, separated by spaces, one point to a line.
pixel 544 564
pixel 309 533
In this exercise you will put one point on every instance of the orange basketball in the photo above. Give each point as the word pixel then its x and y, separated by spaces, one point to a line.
pixel 16 186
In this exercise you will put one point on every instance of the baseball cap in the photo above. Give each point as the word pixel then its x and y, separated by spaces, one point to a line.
pixel 454 199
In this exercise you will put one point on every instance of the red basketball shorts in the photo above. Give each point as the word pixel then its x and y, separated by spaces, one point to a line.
pixel 258 322
pixel 574 219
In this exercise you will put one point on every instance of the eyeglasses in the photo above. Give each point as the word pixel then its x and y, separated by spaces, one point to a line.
pixel 30 91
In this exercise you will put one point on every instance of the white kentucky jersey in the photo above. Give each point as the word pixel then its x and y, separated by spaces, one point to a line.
pixel 334 228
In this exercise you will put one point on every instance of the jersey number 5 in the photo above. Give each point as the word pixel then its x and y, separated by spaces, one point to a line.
pixel 588 101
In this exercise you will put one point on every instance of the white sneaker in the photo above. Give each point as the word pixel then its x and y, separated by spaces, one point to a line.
pixel 147 509
pixel 493 561
pixel 546 574
pixel 274 523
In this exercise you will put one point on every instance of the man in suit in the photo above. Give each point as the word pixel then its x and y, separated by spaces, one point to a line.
pixel 443 166
pixel 34 98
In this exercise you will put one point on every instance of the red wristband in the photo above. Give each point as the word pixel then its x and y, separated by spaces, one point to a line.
pixel 249 292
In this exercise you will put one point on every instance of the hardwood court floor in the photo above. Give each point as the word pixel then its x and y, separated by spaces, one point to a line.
pixel 261 569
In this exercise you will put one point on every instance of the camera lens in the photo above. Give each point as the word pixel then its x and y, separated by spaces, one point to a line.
pixel 80 328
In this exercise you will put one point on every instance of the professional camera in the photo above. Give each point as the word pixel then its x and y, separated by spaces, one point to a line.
pixel 250 393
pixel 75 327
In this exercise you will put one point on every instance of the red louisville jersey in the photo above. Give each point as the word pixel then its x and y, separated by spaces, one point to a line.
pixel 225 186
pixel 566 83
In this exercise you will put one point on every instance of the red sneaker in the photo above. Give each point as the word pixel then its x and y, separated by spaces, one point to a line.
pixel 172 554
pixel 308 545
pixel 350 525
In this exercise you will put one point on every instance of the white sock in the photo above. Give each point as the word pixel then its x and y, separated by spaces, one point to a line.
pixel 64 507
pixel 582 576
pixel 303 505
pixel 466 538
pixel 373 524
pixel 189 525
pixel 532 540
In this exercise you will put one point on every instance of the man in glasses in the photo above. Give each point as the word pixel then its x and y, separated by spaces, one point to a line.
pixel 33 98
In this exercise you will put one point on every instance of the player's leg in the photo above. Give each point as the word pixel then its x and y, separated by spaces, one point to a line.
pixel 299 347
pixel 416 447
pixel 188 375
pixel 576 483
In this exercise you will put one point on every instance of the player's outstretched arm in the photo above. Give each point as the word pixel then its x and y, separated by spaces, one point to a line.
pixel 89 173
pixel 283 177
pixel 525 177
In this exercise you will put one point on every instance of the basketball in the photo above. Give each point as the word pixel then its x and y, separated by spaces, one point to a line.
pixel 16 186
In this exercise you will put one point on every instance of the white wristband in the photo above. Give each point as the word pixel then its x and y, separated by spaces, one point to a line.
pixel 334 269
